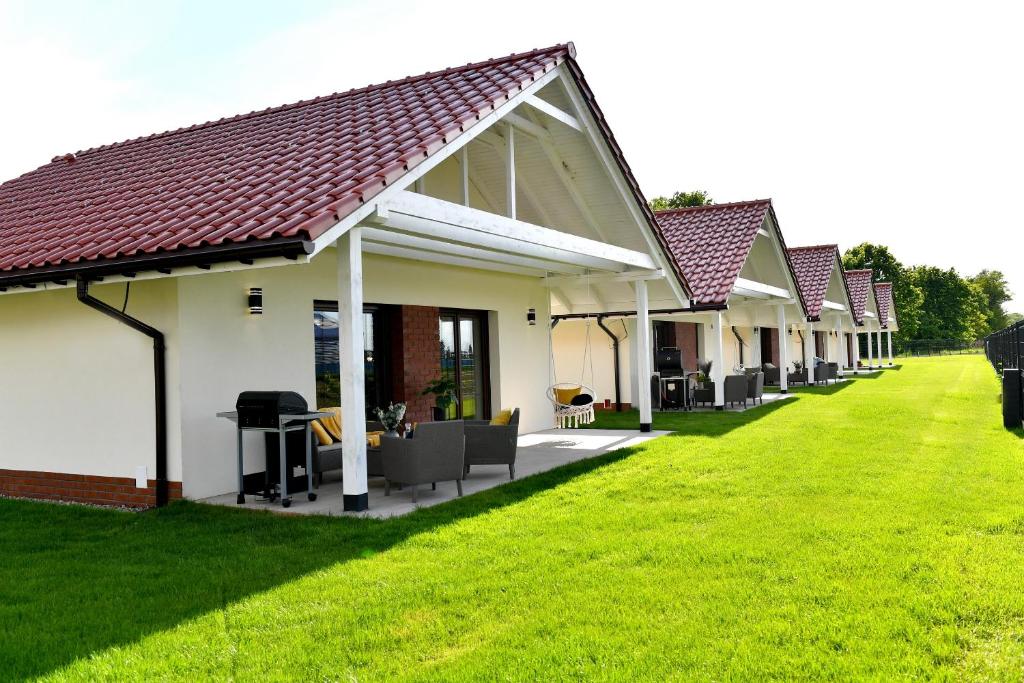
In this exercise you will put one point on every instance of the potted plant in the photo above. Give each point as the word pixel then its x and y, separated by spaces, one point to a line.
pixel 704 374
pixel 444 392
pixel 391 418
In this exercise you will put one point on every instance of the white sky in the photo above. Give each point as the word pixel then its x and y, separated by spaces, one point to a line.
pixel 899 123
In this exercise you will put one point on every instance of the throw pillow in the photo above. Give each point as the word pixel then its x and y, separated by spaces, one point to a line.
pixel 581 400
pixel 565 396
pixel 502 418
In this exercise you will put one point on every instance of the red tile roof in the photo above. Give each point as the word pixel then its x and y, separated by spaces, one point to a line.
pixel 711 243
pixel 287 172
pixel 883 295
pixel 813 268
pixel 859 284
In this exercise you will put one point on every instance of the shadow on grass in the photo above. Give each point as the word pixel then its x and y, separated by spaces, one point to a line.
pixel 78 580
pixel 707 423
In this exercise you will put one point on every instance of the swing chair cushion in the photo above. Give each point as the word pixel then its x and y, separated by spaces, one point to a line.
pixel 566 397
pixel 581 400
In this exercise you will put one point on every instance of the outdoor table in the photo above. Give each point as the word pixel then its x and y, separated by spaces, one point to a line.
pixel 285 423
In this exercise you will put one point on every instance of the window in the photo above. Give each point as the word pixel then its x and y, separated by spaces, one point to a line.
pixel 375 356
pixel 464 360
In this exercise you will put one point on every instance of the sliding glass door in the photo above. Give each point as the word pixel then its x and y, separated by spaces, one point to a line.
pixel 464 361
pixel 375 356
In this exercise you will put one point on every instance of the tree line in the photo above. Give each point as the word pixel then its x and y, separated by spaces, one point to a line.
pixel 937 303
pixel 931 303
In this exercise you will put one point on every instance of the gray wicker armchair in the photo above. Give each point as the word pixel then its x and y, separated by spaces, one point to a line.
pixel 833 371
pixel 488 444
pixel 736 389
pixel 821 373
pixel 772 375
pixel 755 387
pixel 436 452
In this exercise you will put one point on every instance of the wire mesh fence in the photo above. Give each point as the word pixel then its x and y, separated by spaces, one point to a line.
pixel 936 347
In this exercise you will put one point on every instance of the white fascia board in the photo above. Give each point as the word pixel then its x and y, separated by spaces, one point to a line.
pixel 603 278
pixel 447 259
pixel 833 306
pixel 600 145
pixel 461 224
pixel 346 223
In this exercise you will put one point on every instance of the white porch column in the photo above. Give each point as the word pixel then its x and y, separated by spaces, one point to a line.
pixel 717 348
pixel 643 358
pixel 871 360
pixel 878 337
pixel 856 351
pixel 809 352
pixel 783 350
pixel 352 369
pixel 888 343
pixel 755 348
pixel 840 349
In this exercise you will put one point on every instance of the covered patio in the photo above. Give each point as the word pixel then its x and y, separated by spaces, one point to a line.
pixel 538 452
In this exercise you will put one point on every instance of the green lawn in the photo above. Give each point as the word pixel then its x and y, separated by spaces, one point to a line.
pixel 874 529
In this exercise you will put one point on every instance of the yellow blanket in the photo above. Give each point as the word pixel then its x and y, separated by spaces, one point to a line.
pixel 331 425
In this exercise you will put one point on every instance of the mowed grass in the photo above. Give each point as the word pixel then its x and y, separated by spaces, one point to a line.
pixel 874 529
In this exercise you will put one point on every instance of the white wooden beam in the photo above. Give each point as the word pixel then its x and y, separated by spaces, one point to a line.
pixel 554 112
pixel 449 260
pixel 510 173
pixel 562 299
pixel 534 130
pixel 401 239
pixel 464 164
pixel 463 224
pixel 600 278
pixel 756 289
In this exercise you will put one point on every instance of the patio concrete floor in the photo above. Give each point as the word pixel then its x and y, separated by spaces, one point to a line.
pixel 538 452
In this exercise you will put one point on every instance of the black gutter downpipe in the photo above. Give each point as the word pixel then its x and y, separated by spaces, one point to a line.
pixel 159 380
pixel 615 359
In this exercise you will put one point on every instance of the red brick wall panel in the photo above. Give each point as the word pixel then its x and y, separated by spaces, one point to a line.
pixel 82 488
pixel 416 358
pixel 686 340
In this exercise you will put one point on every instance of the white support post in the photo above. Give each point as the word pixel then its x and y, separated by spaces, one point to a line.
pixel 855 342
pixel 809 353
pixel 755 348
pixel 840 349
pixel 888 343
pixel 717 347
pixel 878 338
pixel 352 369
pixel 464 162
pixel 644 353
pixel 783 350
pixel 510 172
pixel 871 358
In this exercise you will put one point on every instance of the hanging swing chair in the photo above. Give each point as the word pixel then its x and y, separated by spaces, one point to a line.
pixel 573 402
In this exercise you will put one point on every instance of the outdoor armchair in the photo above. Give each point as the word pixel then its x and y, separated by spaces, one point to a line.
pixel 736 389
pixel 772 375
pixel 833 371
pixel 436 452
pixel 488 444
pixel 821 373
pixel 755 387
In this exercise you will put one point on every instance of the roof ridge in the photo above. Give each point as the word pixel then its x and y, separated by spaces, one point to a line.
pixel 569 47
pixel 815 246
pixel 712 206
pixel 860 270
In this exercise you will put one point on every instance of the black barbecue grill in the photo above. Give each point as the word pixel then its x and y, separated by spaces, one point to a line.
pixel 264 409
pixel 274 412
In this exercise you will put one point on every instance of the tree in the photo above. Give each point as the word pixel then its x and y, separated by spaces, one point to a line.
pixel 681 199
pixel 996 292
pixel 952 307
pixel 907 297
pixel 1012 318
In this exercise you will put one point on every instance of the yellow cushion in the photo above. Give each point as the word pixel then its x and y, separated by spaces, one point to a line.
pixel 332 423
pixel 502 418
pixel 373 439
pixel 322 437
pixel 565 396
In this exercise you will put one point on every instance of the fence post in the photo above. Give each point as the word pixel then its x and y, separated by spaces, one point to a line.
pixel 1013 398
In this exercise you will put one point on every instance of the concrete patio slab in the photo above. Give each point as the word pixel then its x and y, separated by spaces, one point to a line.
pixel 538 452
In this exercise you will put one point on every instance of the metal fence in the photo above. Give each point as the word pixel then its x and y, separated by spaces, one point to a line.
pixel 1005 350
pixel 935 347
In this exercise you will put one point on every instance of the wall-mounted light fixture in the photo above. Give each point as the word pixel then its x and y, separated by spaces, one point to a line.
pixel 757 329
pixel 256 300
pixel 531 316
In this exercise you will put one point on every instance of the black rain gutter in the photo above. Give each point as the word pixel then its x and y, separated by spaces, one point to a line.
pixel 163 261
pixel 615 359
pixel 159 380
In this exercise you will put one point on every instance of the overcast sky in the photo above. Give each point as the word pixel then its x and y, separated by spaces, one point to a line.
pixel 899 123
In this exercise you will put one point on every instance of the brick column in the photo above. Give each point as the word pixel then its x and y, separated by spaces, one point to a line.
pixel 415 358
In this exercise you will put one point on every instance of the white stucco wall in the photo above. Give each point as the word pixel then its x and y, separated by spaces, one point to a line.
pixel 76 387
pixel 226 351
pixel 569 338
